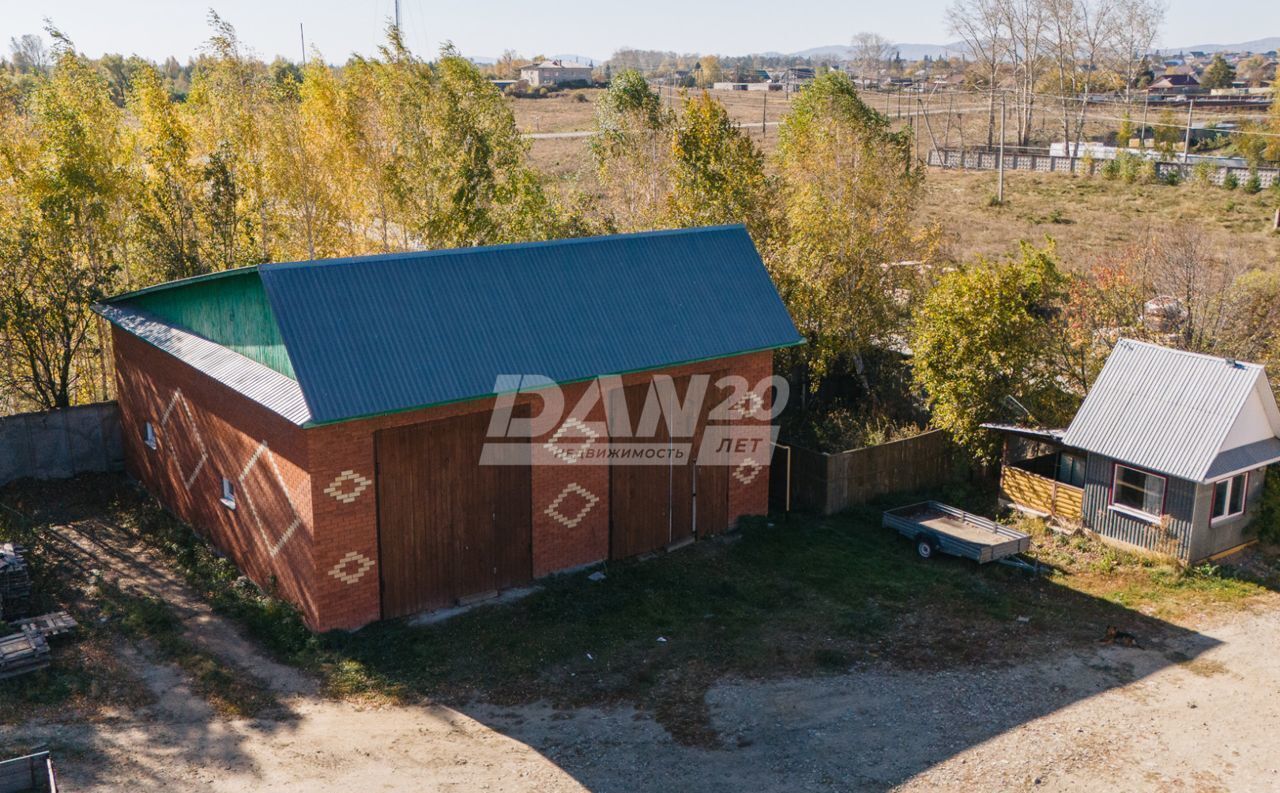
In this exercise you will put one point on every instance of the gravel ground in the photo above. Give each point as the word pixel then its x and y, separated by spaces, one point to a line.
pixel 1198 714
pixel 1195 710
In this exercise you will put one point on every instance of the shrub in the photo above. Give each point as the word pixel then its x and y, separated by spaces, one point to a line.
pixel 1202 174
pixel 1230 181
pixel 1172 177
pixel 1253 185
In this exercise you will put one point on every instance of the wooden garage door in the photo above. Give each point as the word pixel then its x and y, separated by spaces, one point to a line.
pixel 652 506
pixel 447 526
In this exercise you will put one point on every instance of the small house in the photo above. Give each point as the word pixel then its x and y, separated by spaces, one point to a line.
pixel 554 73
pixel 1168 453
pixel 1171 84
pixel 379 436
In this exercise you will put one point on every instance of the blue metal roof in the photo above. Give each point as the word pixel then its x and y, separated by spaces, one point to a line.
pixel 378 334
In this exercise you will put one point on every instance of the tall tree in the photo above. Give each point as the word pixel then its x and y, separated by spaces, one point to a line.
pixel 632 152
pixel 61 232
pixel 168 194
pixel 717 173
pixel 986 332
pixel 1219 73
pixel 848 192
pixel 979 24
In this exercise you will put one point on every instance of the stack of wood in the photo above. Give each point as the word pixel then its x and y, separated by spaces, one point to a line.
pixel 15 581
pixel 23 652
pixel 55 623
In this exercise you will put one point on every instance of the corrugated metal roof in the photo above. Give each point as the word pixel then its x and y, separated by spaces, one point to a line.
pixel 1162 409
pixel 259 383
pixel 385 333
pixel 1243 458
pixel 378 334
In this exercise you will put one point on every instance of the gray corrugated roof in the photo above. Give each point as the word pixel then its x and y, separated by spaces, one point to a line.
pixel 259 383
pixel 1162 409
pixel 1243 458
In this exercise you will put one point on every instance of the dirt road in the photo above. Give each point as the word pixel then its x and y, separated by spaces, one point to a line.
pixel 1199 713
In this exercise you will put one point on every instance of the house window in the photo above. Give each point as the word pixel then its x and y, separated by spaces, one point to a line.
pixel 228 493
pixel 1138 491
pixel 1228 497
pixel 149 435
pixel 1071 469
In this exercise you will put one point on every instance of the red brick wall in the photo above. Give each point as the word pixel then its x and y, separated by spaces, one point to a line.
pixel 346 544
pixel 204 432
pixel 328 566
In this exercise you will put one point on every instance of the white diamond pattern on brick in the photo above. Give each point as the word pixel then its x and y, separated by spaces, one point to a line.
pixel 588 497
pixel 747 406
pixel 179 399
pixel 338 487
pixel 571 456
pixel 273 546
pixel 346 573
pixel 747 471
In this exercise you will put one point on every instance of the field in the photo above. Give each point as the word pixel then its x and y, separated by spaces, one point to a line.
pixel 1089 217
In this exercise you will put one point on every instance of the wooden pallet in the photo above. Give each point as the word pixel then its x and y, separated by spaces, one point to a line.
pixel 22 653
pixel 55 623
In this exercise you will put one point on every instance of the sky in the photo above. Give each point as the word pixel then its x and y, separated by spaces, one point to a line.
pixel 484 28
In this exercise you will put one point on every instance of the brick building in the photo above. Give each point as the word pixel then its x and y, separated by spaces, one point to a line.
pixel 384 435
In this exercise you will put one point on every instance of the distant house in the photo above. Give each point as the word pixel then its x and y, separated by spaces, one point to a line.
pixel 552 73
pixel 1175 83
pixel 1168 453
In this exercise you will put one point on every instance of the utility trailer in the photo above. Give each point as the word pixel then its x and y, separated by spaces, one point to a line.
pixel 31 774
pixel 938 528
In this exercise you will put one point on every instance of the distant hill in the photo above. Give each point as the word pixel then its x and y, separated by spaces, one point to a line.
pixel 1257 45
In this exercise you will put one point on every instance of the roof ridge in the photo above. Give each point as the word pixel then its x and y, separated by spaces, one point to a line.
pixel 1189 353
pixel 551 243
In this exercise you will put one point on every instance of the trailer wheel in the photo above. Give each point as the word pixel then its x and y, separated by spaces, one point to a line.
pixel 925 546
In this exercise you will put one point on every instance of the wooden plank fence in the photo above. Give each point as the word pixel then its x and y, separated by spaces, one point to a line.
pixel 984 160
pixel 830 483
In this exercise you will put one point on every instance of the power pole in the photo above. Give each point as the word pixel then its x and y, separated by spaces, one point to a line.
pixel 397 15
pixel 1142 138
pixel 1186 141
pixel 303 37
pixel 764 114
pixel 1000 157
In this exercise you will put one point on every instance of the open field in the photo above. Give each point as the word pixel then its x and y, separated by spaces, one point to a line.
pixel 1089 217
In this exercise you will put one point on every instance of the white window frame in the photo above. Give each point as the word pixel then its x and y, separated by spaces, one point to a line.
pixel 228 493
pixel 1230 482
pixel 149 435
pixel 1134 511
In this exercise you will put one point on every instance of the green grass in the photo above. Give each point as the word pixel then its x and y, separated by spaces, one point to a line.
pixel 149 621
pixel 781 597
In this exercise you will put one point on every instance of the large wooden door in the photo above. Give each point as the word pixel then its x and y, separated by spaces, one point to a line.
pixel 639 493
pixel 448 527
pixel 653 506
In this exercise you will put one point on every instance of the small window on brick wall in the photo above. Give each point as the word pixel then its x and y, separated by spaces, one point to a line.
pixel 149 435
pixel 228 493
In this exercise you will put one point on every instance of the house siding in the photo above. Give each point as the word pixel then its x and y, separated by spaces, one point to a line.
pixel 1182 509
pixel 1232 532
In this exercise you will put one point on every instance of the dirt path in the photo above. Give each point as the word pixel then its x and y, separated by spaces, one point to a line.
pixel 1200 713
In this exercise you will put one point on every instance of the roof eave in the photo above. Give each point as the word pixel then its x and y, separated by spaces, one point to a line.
pixel 477 397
